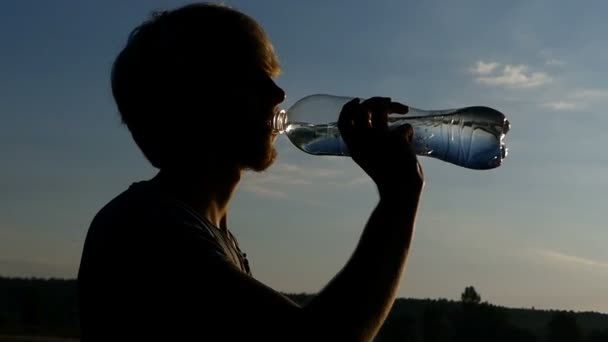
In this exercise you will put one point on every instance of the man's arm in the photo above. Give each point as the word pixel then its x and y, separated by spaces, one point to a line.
pixel 362 294
pixel 373 273
pixel 353 306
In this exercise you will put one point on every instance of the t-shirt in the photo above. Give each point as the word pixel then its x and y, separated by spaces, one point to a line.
pixel 145 256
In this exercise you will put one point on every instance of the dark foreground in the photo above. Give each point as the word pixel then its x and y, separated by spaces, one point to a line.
pixel 45 310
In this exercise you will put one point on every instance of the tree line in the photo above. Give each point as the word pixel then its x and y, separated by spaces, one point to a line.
pixel 49 307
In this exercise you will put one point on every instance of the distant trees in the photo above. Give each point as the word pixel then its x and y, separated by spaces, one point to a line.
pixel 470 296
pixel 436 325
pixel 563 327
pixel 49 307
pixel 598 336
pixel 38 306
pixel 482 322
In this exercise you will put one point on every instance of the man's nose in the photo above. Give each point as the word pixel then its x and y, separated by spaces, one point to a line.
pixel 278 95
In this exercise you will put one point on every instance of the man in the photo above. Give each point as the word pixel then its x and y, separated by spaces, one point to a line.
pixel 195 88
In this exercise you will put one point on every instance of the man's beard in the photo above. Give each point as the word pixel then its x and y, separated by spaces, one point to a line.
pixel 258 157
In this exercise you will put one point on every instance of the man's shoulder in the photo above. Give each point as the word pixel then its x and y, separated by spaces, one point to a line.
pixel 133 203
pixel 138 218
pixel 140 225
pixel 140 246
pixel 141 206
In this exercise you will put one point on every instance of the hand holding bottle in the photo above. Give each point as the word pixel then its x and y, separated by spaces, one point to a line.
pixel 385 155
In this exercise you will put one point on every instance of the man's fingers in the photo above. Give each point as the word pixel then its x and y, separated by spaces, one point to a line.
pixel 380 118
pixel 380 121
pixel 385 104
pixel 362 117
pixel 378 107
pixel 398 108
pixel 372 113
pixel 377 104
pixel 346 118
pixel 408 131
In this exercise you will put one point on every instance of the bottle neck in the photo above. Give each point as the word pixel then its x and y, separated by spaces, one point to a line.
pixel 279 121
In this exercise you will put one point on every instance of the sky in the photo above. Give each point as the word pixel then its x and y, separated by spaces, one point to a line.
pixel 531 233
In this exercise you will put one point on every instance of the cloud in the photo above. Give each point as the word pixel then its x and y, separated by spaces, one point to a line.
pixel 282 177
pixel 516 76
pixel 511 76
pixel 482 68
pixel 521 76
pixel 579 99
pixel 299 171
pixel 264 191
pixel 555 62
pixel 562 105
pixel 359 181
pixel 589 94
pixel 563 258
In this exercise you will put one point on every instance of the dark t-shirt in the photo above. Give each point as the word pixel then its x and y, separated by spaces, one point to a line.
pixel 147 269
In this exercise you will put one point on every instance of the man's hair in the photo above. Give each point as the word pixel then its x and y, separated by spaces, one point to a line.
pixel 176 62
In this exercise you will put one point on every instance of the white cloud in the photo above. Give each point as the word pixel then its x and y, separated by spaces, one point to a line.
pixel 563 258
pixel 579 99
pixel 263 191
pixel 515 76
pixel 282 177
pixel 521 76
pixel 482 68
pixel 512 76
pixel 298 171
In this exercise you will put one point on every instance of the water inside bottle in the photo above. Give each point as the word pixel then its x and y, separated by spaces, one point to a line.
pixel 472 137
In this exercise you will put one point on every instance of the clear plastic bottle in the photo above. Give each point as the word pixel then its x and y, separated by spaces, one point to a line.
pixel 471 137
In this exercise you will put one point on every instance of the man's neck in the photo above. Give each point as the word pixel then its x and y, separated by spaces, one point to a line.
pixel 208 191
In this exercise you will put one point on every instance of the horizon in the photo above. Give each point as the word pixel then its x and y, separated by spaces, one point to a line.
pixel 288 293
pixel 528 233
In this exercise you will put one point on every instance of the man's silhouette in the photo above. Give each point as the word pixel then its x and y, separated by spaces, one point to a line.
pixel 195 88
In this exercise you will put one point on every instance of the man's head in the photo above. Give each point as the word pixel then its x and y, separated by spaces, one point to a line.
pixel 194 85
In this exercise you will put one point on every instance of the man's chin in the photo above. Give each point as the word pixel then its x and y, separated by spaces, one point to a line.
pixel 260 162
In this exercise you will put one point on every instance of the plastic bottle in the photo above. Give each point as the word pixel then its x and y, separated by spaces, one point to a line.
pixel 471 137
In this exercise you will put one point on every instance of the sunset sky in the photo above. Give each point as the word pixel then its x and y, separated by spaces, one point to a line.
pixel 532 232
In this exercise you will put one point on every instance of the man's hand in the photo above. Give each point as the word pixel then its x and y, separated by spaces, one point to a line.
pixel 385 155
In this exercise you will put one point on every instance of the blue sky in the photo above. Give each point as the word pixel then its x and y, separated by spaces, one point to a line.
pixel 530 233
